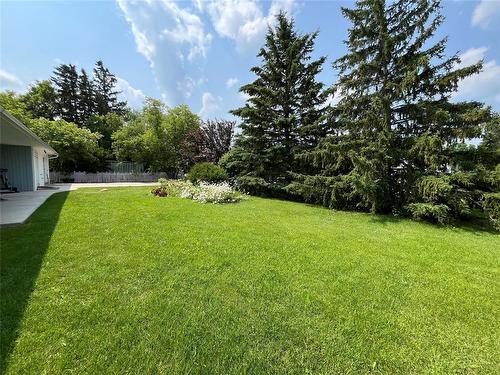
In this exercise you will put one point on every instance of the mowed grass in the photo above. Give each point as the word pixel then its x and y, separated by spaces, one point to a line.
pixel 122 282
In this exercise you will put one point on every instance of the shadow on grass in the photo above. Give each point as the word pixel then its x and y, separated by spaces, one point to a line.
pixel 22 252
pixel 476 224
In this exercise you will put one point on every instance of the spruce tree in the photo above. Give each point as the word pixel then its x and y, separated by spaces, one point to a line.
pixel 65 80
pixel 86 103
pixel 395 127
pixel 106 94
pixel 282 114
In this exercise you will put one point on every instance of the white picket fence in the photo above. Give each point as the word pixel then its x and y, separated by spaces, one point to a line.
pixel 81 177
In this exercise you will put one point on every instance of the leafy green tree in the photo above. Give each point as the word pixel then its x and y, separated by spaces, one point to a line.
pixel 14 104
pixel 395 129
pixel 282 115
pixel 180 123
pixel 77 147
pixel 128 142
pixel 106 94
pixel 154 136
pixel 41 100
pixel 105 125
pixel 65 80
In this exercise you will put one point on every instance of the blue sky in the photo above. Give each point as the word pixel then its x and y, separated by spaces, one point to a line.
pixel 200 52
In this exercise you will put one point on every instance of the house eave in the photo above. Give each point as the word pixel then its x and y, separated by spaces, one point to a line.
pixel 25 130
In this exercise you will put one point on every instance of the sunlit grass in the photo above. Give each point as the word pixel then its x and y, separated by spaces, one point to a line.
pixel 123 282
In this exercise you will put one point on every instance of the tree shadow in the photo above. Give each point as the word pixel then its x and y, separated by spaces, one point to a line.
pixel 476 224
pixel 22 252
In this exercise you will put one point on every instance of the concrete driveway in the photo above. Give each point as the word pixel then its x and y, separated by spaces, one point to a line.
pixel 16 208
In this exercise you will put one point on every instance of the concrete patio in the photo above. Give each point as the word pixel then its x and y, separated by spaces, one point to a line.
pixel 16 208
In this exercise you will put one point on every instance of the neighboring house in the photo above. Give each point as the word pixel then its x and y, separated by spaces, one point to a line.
pixel 23 154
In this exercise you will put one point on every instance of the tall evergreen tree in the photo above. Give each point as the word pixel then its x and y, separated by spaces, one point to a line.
pixel 395 124
pixel 282 113
pixel 65 79
pixel 86 103
pixel 106 94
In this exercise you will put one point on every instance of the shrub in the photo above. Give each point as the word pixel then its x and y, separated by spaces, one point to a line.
pixel 207 172
pixel 159 191
pixel 173 188
pixel 491 206
pixel 260 187
pixel 428 211
pixel 217 193
pixel 204 192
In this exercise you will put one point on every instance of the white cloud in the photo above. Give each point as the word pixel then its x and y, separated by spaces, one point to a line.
pixel 485 86
pixel 472 56
pixel 134 97
pixel 209 103
pixel 199 4
pixel 244 21
pixel 187 28
pixel 9 80
pixel 171 38
pixel 186 86
pixel 231 82
pixel 244 96
pixel 484 12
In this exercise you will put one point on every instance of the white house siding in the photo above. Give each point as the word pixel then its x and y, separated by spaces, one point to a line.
pixel 40 167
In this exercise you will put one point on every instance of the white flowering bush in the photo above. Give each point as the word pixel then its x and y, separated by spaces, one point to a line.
pixel 217 193
pixel 204 192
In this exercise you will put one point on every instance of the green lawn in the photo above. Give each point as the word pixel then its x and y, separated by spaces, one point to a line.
pixel 122 282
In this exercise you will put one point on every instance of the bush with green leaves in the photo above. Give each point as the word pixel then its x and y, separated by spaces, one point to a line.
pixel 206 172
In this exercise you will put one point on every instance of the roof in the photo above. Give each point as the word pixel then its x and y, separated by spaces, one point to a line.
pixel 22 135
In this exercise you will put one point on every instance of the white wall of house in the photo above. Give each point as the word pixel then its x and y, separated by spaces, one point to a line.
pixel 40 161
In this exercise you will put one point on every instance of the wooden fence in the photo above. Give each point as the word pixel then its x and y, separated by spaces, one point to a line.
pixel 56 177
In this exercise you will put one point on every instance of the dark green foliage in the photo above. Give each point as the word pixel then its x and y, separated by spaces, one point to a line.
pixel 65 80
pixel 282 114
pixel 105 125
pixel 86 102
pixel 232 162
pixel 330 191
pixel 105 92
pixel 396 141
pixel 492 207
pixel 438 213
pixel 206 172
pixel 489 149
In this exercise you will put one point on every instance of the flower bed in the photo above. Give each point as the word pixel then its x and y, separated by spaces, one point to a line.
pixel 204 192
